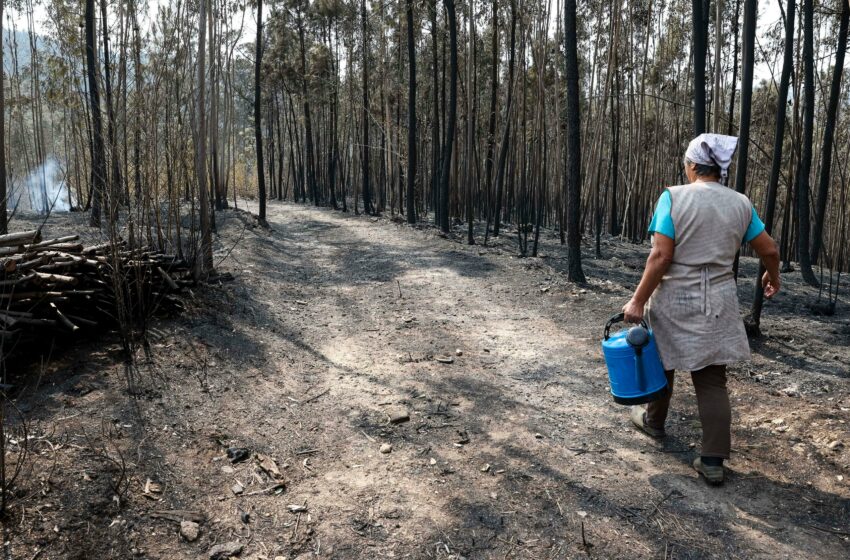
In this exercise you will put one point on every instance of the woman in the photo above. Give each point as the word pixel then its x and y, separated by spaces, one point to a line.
pixel 689 291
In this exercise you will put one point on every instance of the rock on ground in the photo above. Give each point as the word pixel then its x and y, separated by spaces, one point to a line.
pixel 225 551
pixel 189 530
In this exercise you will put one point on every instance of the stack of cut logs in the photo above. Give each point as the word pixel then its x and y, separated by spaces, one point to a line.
pixel 58 285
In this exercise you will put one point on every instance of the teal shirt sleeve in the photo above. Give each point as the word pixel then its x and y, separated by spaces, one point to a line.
pixel 755 228
pixel 662 221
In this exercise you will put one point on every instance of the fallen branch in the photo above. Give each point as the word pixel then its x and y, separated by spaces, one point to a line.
pixel 179 515
pixel 269 490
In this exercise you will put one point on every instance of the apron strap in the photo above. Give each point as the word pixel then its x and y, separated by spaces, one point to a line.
pixel 705 288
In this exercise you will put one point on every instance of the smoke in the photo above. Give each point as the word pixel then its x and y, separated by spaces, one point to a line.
pixel 46 188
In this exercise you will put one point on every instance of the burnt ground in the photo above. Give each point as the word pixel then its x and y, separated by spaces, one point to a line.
pixel 333 326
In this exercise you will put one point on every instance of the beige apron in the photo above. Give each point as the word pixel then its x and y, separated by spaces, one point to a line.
pixel 694 311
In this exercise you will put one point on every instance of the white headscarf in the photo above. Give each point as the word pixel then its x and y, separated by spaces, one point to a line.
pixel 713 149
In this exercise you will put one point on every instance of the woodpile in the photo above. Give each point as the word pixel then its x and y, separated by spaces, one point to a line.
pixel 59 286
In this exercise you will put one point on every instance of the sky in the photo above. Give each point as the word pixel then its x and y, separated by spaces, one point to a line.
pixel 769 15
pixel 41 19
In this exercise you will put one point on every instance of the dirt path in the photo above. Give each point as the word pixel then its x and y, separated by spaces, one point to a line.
pixel 333 327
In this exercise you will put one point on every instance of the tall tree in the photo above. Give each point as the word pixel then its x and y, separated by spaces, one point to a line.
pixel 203 261
pixel 699 43
pixel 717 96
pixel 411 117
pixel 364 164
pixel 491 122
pixel 436 149
pixel 804 169
pixel 470 127
pixel 730 123
pixel 452 117
pixel 506 134
pixel 137 120
pixel 258 113
pixel 4 226
pixel 115 191
pixel 776 159
pixel 98 157
pixel 747 64
pixel 309 158
pixel 573 163
pixel 829 134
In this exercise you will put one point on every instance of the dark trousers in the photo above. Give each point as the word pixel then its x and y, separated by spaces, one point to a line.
pixel 715 413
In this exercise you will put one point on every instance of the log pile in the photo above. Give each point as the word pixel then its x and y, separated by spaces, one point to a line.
pixel 56 286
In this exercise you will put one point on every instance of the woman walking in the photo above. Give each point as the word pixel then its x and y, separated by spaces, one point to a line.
pixel 689 293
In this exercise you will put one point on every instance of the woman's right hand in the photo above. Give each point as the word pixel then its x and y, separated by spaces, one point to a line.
pixel 633 311
pixel 770 286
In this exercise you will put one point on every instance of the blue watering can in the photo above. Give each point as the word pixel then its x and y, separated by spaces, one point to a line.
pixel 634 367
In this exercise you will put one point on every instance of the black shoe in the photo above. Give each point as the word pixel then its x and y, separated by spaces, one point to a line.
pixel 713 474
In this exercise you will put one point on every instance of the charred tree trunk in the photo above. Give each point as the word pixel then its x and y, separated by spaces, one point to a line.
pixel 699 47
pixel 776 166
pixel 735 32
pixel 98 157
pixel 204 260
pixel 308 125
pixel 828 135
pixel 435 118
pixel 717 96
pixel 367 198
pixel 491 123
pixel 503 150
pixel 3 195
pixel 573 169
pixel 258 113
pixel 115 190
pixel 452 118
pixel 804 170
pixel 470 129
pixel 411 117
pixel 747 65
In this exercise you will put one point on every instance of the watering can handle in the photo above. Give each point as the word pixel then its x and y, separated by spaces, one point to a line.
pixel 619 318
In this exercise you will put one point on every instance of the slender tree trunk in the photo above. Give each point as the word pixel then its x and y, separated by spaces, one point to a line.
pixel 203 261
pixel 699 46
pixel 334 163
pixel 828 136
pixel 717 97
pixel 98 157
pixel 452 117
pixel 614 218
pixel 735 32
pixel 613 68
pixel 367 198
pixel 470 127
pixel 491 124
pixel 747 65
pixel 137 128
pixel 573 163
pixel 308 124
pixel 215 79
pixel 115 190
pixel 258 112
pixel 776 160
pixel 435 124
pixel 411 117
pixel 4 226
pixel 503 150
pixel 804 169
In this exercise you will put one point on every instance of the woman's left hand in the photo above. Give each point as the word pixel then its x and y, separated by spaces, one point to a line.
pixel 633 311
